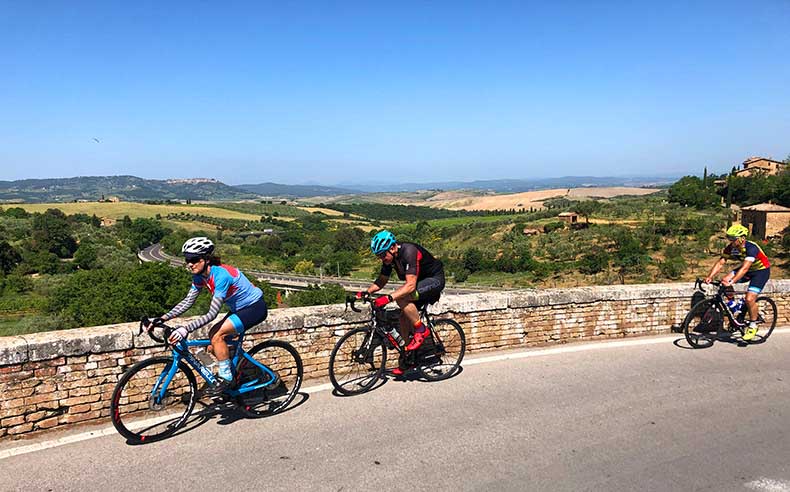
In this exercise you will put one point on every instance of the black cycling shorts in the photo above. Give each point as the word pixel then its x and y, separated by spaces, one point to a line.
pixel 247 316
pixel 429 290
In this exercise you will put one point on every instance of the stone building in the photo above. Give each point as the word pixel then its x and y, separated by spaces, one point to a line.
pixel 766 219
pixel 569 217
pixel 753 165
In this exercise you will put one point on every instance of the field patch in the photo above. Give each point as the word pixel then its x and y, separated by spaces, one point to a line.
pixel 136 210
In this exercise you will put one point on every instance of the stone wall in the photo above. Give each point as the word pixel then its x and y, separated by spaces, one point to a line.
pixel 54 379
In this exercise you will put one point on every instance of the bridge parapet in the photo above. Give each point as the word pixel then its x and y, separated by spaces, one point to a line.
pixel 54 379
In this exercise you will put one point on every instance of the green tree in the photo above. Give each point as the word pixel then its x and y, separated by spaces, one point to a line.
pixel 595 262
pixel 85 257
pixel 51 232
pixel 9 257
pixel 674 264
pixel 317 295
pixel 473 260
pixel 587 208
pixel 304 267
pixel 690 191
pixel 115 295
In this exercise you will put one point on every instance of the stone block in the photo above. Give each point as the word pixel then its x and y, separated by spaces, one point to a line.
pixel 13 350
pixel 82 341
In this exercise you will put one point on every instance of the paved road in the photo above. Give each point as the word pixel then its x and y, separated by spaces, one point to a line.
pixel 638 414
pixel 155 253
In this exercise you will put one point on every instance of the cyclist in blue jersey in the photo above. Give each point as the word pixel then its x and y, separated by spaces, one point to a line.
pixel 228 286
pixel 755 268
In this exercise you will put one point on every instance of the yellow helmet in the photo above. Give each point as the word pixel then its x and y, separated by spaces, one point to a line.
pixel 737 230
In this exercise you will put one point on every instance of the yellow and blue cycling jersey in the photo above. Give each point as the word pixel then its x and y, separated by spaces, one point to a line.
pixel 749 251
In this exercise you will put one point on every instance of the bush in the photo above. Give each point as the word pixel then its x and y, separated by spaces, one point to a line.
pixel 553 226
pixel 674 265
pixel 316 295
pixel 116 295
pixel 593 263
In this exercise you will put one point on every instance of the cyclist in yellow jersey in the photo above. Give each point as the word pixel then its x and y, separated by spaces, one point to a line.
pixel 754 268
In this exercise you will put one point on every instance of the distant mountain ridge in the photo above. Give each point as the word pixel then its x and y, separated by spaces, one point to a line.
pixel 132 188
pixel 127 188
pixel 517 185
pixel 295 191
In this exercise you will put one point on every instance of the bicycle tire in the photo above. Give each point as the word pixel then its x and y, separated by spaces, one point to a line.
pixel 134 412
pixel 767 317
pixel 444 359
pixel 702 320
pixel 282 358
pixel 351 372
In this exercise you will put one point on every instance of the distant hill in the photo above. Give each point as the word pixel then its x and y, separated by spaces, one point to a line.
pixel 517 185
pixel 294 191
pixel 127 188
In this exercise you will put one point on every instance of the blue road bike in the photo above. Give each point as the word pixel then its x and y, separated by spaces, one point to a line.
pixel 155 397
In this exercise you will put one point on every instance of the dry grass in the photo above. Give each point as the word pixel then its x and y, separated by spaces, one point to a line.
pixel 136 210
pixel 529 199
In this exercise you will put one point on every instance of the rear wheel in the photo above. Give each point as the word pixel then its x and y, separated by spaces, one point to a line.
pixel 766 320
pixel 444 351
pixel 146 407
pixel 702 324
pixel 357 361
pixel 283 360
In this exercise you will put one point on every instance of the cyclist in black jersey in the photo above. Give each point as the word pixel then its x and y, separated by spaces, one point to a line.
pixel 423 277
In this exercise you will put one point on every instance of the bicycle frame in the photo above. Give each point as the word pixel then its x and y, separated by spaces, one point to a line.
pixel 181 352
pixel 383 333
pixel 721 305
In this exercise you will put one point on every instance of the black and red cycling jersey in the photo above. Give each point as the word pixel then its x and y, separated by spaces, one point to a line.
pixel 413 259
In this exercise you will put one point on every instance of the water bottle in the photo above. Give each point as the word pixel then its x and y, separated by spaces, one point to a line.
pixel 735 306
pixel 396 338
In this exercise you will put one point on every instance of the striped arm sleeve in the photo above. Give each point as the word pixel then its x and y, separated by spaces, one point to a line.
pixel 182 306
pixel 213 311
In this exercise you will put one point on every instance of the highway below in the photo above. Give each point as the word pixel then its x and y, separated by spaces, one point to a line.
pixel 291 281
pixel 634 414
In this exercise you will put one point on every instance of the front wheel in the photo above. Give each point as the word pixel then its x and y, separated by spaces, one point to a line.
pixel 766 319
pixel 357 361
pixel 442 360
pixel 702 324
pixel 276 366
pixel 153 399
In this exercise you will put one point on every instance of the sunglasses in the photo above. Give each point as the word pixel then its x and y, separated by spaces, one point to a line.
pixel 732 238
pixel 192 261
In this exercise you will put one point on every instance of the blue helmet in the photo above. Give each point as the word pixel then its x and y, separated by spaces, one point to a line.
pixel 381 242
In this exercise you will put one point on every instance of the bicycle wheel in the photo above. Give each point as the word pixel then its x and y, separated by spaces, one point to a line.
pixel 357 361
pixel 702 324
pixel 282 359
pixel 141 411
pixel 766 320
pixel 444 358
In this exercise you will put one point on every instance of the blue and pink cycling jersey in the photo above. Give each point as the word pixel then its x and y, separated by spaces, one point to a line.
pixel 229 285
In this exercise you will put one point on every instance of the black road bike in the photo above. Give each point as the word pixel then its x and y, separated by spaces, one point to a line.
pixel 359 358
pixel 705 322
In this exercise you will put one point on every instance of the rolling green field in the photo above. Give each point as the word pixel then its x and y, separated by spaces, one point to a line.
pixel 136 210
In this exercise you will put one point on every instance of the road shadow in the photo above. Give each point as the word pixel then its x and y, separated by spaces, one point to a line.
pixel 720 337
pixel 224 412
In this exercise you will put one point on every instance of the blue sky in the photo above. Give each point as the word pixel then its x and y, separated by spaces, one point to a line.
pixel 339 92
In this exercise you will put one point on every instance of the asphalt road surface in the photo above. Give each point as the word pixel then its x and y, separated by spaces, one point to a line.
pixel 644 414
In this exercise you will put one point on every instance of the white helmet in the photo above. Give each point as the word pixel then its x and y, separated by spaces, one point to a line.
pixel 197 246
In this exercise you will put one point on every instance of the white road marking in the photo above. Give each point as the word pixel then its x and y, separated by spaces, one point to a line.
pixel 768 485
pixel 762 484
